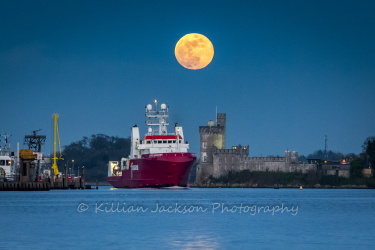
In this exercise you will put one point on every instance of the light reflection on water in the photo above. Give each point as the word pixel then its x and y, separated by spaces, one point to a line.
pixel 193 241
pixel 335 218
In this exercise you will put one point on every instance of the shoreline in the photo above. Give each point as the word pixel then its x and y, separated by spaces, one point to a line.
pixel 281 186
pixel 105 184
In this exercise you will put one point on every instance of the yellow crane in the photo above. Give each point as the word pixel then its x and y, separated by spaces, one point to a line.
pixel 56 131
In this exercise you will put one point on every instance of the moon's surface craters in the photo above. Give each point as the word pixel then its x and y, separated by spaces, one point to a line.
pixel 194 51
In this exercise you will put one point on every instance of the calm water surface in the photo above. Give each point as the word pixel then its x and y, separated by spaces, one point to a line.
pixel 212 219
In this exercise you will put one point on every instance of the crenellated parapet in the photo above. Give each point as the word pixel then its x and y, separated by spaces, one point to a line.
pixel 235 150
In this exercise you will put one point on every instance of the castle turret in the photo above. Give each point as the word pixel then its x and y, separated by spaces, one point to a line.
pixel 221 119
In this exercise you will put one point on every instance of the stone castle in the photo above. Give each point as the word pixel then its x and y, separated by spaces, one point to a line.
pixel 216 160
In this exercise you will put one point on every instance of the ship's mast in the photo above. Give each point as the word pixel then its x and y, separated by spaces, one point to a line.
pixel 6 143
pixel 157 118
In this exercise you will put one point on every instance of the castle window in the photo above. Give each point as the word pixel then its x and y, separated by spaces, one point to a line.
pixel 204 145
pixel 204 157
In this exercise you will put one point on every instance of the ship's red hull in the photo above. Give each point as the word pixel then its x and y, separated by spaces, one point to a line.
pixel 156 170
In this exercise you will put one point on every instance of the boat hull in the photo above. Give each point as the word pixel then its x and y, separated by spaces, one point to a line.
pixel 156 170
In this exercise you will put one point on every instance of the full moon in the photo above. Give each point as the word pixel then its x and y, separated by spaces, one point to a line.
pixel 194 51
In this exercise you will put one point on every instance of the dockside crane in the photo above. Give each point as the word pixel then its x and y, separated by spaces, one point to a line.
pixel 55 116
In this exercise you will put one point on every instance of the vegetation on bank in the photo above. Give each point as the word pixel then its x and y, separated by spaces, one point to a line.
pixel 270 179
pixel 94 153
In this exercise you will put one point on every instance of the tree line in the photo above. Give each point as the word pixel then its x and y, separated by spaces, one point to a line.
pixel 94 153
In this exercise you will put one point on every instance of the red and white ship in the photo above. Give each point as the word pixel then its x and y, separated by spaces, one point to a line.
pixel 158 160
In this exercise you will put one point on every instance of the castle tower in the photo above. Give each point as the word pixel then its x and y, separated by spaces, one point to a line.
pixel 212 137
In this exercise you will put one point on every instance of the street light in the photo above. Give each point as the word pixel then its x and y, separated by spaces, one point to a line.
pixel 73 165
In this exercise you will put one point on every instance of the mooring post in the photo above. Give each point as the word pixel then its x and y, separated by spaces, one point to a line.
pixel 83 178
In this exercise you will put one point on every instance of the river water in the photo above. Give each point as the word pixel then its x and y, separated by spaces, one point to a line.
pixel 188 219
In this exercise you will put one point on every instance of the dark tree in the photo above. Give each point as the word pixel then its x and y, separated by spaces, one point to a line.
pixel 356 167
pixel 331 156
pixel 368 148
pixel 94 153
pixel 302 159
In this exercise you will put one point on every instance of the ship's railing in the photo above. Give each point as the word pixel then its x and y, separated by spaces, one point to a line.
pixel 157 113
pixel 5 153
pixel 10 177
pixel 162 134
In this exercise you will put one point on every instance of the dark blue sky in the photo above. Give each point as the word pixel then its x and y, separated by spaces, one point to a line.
pixel 286 73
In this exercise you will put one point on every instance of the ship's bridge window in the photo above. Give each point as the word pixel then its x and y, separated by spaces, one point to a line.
pixel 179 141
pixel 160 142
pixel 174 141
pixel 155 142
pixel 2 162
pixel 165 141
pixel 169 141
pixel 9 163
pixel 148 142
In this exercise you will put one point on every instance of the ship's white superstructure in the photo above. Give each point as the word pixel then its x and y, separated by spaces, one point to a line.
pixel 7 168
pixel 157 140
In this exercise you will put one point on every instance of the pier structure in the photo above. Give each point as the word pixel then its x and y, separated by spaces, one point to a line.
pixel 28 177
